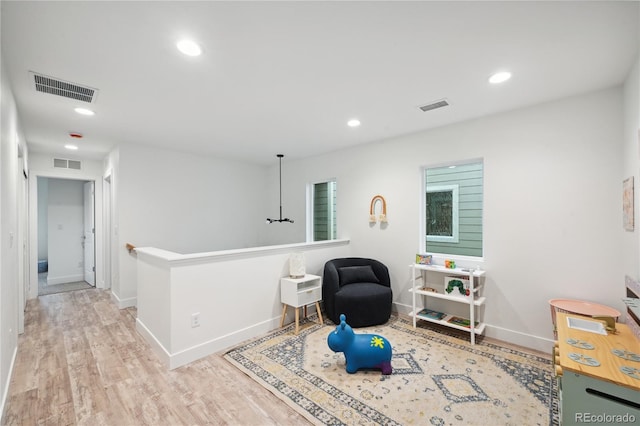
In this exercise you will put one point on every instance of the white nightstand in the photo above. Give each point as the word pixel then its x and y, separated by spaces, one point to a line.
pixel 300 292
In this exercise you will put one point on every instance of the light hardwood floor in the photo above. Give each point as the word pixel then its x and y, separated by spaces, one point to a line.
pixel 81 361
pixel 43 288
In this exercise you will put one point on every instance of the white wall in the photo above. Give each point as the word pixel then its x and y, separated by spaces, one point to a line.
pixel 631 167
pixel 10 167
pixel 65 226
pixel 43 222
pixel 182 203
pixel 552 205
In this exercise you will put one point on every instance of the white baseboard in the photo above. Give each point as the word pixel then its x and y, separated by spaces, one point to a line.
pixel 155 344
pixel 124 303
pixel 217 344
pixel 5 391
pixel 220 343
pixel 64 279
pixel 510 336
pixel 100 284
pixel 521 339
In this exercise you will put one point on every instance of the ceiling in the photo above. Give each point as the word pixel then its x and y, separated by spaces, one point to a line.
pixel 285 77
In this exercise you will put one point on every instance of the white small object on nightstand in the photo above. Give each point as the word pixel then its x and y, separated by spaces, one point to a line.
pixel 296 265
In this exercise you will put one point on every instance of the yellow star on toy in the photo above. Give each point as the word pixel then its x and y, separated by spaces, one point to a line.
pixel 377 342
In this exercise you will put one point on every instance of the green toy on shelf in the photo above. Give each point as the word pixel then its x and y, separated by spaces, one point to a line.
pixel 455 284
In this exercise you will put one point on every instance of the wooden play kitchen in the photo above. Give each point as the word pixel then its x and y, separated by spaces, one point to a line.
pixel 580 307
pixel 598 371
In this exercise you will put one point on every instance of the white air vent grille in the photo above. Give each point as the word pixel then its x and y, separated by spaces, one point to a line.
pixel 62 163
pixel 434 105
pixel 55 86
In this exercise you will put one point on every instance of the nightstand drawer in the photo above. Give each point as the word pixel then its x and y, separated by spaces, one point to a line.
pixel 309 296
pixel 298 292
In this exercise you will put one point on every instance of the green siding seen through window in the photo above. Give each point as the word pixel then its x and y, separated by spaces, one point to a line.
pixel 324 211
pixel 442 215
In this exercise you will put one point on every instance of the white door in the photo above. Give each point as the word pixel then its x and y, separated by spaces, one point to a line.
pixel 88 236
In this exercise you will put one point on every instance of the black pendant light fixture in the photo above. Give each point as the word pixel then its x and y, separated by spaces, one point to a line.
pixel 286 219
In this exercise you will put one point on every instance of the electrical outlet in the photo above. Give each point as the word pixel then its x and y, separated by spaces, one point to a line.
pixel 195 320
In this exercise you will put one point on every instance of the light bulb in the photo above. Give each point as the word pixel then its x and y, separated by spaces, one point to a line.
pixel 500 77
pixel 189 47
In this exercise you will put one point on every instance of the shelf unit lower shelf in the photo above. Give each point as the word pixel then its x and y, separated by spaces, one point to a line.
pixel 479 328
pixel 476 301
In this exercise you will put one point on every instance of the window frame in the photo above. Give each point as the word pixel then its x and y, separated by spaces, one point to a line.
pixel 455 216
pixel 310 228
pixel 422 240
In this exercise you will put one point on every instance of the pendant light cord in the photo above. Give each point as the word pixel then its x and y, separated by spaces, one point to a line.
pixel 280 158
pixel 280 181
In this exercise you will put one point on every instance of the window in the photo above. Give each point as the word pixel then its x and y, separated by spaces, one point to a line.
pixel 442 213
pixel 322 211
pixel 452 215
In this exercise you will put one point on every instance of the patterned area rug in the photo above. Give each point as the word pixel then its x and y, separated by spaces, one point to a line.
pixel 438 378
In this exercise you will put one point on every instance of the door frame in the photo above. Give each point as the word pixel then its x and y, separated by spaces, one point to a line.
pixel 23 241
pixel 107 226
pixel 92 207
pixel 33 222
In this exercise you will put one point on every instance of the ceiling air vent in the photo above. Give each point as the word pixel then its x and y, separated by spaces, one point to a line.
pixel 62 163
pixel 434 105
pixel 55 86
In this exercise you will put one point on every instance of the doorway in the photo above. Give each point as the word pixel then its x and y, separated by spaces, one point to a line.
pixel 66 235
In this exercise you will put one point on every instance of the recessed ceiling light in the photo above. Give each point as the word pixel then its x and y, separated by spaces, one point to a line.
pixel 71 147
pixel 500 77
pixel 84 111
pixel 354 122
pixel 189 47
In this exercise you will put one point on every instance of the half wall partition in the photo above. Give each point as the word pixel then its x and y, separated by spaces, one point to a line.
pixel 193 305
